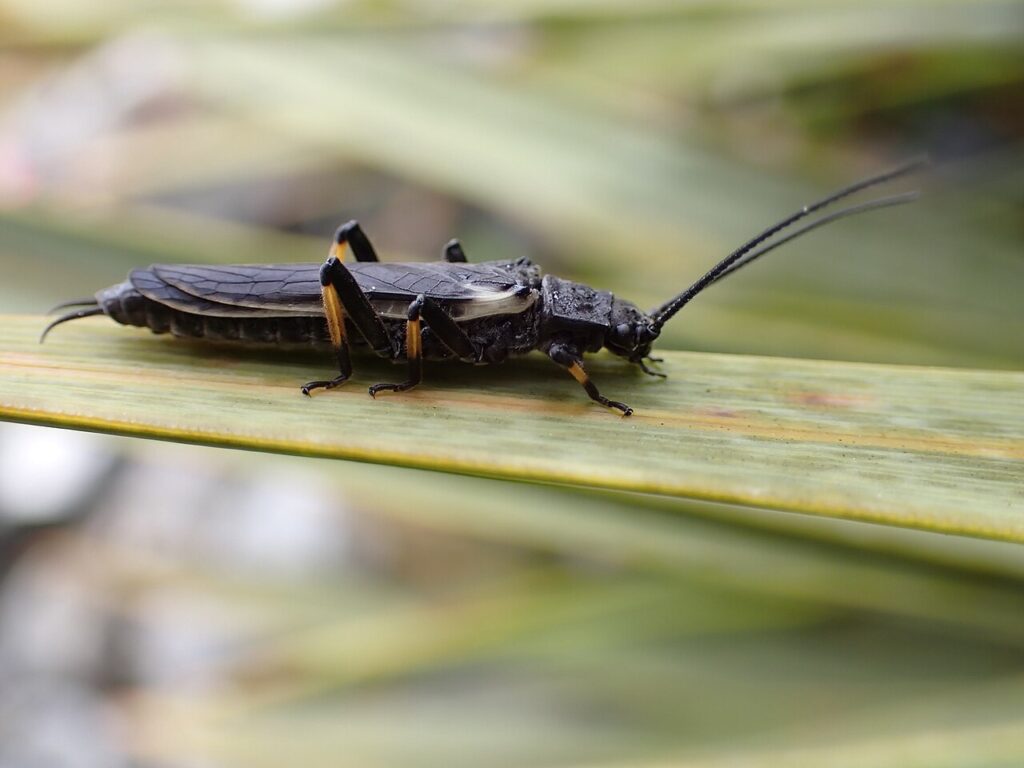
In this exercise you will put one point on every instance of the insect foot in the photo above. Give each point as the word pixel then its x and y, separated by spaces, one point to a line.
pixel 325 384
pixel 626 410
pixel 375 388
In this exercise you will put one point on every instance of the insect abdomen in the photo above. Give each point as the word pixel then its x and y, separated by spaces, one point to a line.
pixel 124 304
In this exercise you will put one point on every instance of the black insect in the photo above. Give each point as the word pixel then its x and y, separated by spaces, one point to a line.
pixel 475 313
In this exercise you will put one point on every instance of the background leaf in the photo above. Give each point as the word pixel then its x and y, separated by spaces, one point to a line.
pixel 179 604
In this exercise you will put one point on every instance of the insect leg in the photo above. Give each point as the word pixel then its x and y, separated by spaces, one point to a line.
pixel 335 313
pixel 570 358
pixel 352 234
pixel 358 308
pixel 413 351
pixel 343 297
pixel 424 311
pixel 453 253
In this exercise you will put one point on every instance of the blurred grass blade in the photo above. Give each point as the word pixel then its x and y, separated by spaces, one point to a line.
pixel 563 169
pixel 927 448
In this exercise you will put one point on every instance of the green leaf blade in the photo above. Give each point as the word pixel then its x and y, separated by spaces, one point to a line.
pixel 937 449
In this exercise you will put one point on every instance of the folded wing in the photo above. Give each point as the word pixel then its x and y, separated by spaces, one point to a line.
pixel 268 290
pixel 274 288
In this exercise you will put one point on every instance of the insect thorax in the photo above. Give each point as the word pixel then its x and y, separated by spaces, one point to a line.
pixel 575 309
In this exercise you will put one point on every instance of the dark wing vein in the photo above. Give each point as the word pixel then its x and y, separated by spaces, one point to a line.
pixel 284 288
pixel 295 288
pixel 149 284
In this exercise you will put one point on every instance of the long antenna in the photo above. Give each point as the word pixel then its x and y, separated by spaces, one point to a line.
pixel 872 205
pixel 667 310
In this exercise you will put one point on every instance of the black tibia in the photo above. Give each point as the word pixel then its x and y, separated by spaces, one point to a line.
pixel 453 253
pixel 413 351
pixel 335 315
pixel 356 305
pixel 570 358
pixel 447 331
pixel 352 234
pixel 342 297
pixel 427 312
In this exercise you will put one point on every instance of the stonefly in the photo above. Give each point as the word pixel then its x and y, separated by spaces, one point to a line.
pixel 444 310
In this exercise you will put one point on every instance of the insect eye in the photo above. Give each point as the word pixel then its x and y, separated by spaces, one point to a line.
pixel 623 332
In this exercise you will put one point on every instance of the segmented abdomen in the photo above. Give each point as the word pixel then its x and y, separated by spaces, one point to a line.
pixel 124 304
pixel 497 336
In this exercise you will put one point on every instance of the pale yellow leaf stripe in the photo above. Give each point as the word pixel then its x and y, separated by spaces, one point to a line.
pixel 931 448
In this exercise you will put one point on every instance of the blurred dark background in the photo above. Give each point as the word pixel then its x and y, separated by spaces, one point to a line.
pixel 170 605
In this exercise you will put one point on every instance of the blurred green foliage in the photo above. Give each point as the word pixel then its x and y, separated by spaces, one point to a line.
pixel 630 144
